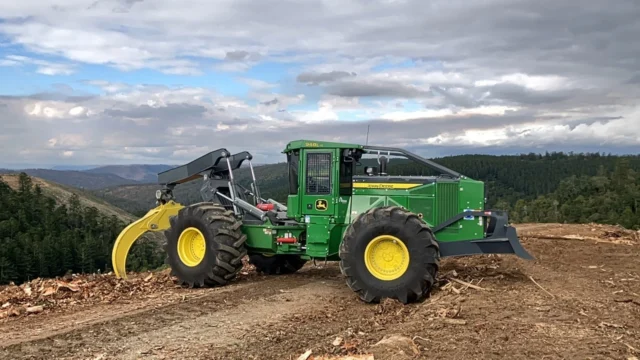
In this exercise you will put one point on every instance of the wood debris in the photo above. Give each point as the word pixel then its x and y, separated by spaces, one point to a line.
pixel 469 285
pixel 540 286
pixel 40 295
pixel 455 321
pixel 633 301
pixel 632 348
pixel 599 233
pixel 346 357
pixel 305 356
pixel 35 309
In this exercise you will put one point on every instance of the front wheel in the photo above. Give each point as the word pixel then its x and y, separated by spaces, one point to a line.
pixel 389 252
pixel 205 245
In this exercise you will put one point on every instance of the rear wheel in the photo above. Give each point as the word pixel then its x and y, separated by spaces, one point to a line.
pixel 276 264
pixel 389 252
pixel 205 245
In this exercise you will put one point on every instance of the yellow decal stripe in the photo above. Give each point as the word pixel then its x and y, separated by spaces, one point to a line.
pixel 359 185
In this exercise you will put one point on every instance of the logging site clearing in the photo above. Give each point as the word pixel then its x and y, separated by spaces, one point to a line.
pixel 579 298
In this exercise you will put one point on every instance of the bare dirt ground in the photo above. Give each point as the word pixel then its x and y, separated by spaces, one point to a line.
pixel 580 298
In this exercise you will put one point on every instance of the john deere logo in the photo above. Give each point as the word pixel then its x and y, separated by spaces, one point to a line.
pixel 321 204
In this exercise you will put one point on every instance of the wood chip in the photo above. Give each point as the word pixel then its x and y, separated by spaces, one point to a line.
pixel 49 291
pixel 68 286
pixel 35 309
pixel 633 301
pixel 305 356
pixel 346 357
pixel 469 285
pixel 632 348
pixel 606 324
pixel 455 321
pixel 540 286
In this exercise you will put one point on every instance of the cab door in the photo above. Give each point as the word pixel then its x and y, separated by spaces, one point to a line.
pixel 319 184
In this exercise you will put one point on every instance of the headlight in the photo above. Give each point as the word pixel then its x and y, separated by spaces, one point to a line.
pixel 158 194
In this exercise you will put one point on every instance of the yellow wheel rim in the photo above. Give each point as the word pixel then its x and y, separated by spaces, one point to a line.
pixel 386 257
pixel 191 246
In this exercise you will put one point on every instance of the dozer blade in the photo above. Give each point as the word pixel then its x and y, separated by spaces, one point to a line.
pixel 155 220
pixel 503 238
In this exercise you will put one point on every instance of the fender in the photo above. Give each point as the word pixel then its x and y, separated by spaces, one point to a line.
pixel 156 219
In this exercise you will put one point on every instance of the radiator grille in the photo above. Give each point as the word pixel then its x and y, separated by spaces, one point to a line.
pixel 447 201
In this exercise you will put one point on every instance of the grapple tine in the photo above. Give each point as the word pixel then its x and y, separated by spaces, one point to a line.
pixel 155 220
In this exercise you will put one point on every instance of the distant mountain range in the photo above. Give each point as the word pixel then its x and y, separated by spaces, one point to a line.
pixel 98 177
pixel 138 173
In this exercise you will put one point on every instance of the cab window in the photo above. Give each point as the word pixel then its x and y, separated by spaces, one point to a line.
pixel 318 173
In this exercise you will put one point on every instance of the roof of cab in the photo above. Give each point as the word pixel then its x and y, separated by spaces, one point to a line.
pixel 314 144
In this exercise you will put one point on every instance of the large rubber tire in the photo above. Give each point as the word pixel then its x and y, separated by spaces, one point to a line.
pixel 224 249
pixel 277 264
pixel 424 255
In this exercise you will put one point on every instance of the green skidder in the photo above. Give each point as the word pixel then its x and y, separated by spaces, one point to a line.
pixel 387 232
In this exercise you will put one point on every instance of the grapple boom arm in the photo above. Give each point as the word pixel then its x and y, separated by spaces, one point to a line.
pixel 213 161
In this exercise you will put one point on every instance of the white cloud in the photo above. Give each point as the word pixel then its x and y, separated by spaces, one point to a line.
pixel 9 62
pixel 540 83
pixel 78 110
pixel 621 132
pixel 41 109
pixel 441 113
pixel 42 66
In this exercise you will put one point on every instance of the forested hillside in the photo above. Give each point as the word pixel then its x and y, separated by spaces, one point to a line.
pixel 40 237
pixel 75 178
pixel 63 194
pixel 609 197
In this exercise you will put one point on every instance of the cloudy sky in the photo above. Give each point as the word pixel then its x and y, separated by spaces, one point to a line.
pixel 163 81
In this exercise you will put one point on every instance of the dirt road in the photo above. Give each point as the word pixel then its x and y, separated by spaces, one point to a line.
pixel 586 304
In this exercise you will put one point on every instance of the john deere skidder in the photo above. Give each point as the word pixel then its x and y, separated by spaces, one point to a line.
pixel 387 232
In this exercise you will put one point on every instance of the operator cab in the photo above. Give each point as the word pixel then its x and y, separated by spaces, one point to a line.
pixel 320 178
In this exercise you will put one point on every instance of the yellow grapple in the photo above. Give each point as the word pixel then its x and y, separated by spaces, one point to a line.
pixel 156 219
